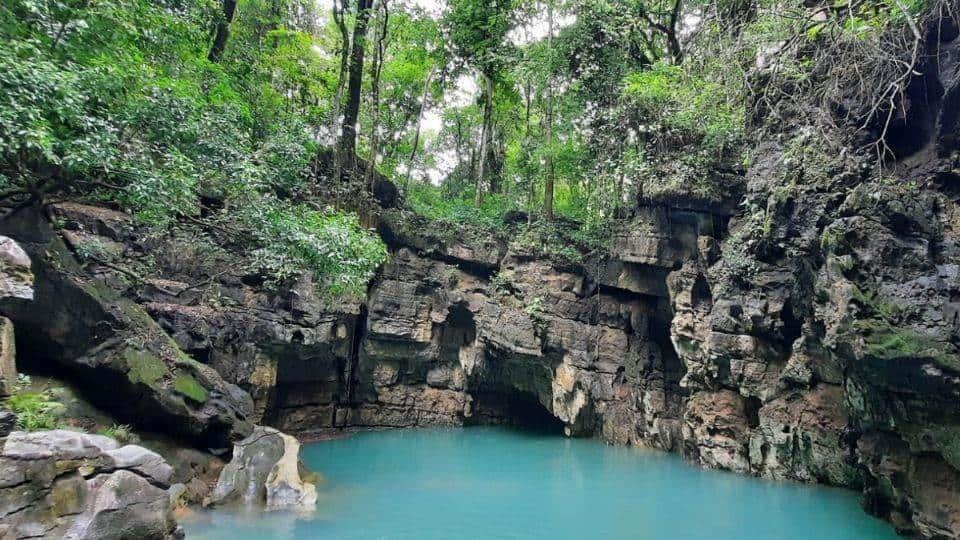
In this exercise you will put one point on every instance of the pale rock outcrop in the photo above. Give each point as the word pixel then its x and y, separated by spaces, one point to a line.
pixel 16 275
pixel 265 470
pixel 8 357
pixel 63 484
pixel 16 281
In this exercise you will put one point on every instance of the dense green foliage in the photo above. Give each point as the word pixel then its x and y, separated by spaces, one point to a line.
pixel 475 108
pixel 116 100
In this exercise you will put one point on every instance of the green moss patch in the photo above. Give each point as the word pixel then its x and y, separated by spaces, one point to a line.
pixel 188 387
pixel 885 342
pixel 143 366
pixel 947 440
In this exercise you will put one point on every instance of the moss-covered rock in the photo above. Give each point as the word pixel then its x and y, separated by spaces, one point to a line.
pixel 187 386
pixel 108 344
pixel 144 367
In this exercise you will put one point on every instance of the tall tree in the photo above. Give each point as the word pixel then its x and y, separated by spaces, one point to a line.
pixel 479 29
pixel 416 133
pixel 379 53
pixel 339 19
pixel 486 134
pixel 548 183
pixel 222 30
pixel 348 136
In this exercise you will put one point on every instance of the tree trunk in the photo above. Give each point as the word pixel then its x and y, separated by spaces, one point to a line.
pixel 676 49
pixel 339 11
pixel 416 133
pixel 459 144
pixel 375 95
pixel 348 137
pixel 222 32
pixel 548 127
pixel 530 179
pixel 485 135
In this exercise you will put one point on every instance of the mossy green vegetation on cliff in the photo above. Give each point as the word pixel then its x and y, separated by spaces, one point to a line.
pixel 119 101
pixel 214 112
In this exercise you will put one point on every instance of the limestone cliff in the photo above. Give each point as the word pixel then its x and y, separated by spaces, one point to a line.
pixel 807 330
pixel 763 369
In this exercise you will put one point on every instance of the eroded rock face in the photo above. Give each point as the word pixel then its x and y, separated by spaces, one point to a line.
pixel 105 341
pixel 827 347
pixel 772 354
pixel 815 340
pixel 265 470
pixel 62 484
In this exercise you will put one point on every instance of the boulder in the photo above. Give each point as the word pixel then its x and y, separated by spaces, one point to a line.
pixel 16 281
pixel 8 357
pixel 63 484
pixel 265 470
pixel 16 278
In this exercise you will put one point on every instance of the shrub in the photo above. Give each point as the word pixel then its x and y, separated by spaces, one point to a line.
pixel 36 410
pixel 122 433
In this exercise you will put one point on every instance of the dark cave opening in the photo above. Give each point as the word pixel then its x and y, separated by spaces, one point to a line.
pixel 510 407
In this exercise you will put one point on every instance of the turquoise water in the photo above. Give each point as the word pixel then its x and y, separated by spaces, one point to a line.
pixel 479 483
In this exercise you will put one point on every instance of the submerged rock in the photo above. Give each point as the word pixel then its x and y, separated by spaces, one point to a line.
pixel 265 469
pixel 63 484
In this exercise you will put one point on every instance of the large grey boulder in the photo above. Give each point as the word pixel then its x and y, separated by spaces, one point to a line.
pixel 63 484
pixel 265 469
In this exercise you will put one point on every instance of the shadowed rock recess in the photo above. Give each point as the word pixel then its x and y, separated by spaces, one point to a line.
pixel 808 330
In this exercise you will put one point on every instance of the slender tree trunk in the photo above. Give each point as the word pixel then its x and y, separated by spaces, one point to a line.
pixel 459 142
pixel 548 127
pixel 379 51
pixel 485 136
pixel 424 96
pixel 348 137
pixel 531 180
pixel 676 49
pixel 339 12
pixel 222 32
pixel 473 162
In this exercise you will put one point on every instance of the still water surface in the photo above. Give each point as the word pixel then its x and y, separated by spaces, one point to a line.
pixel 493 483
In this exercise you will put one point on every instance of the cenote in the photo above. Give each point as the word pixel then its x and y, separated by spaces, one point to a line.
pixel 485 482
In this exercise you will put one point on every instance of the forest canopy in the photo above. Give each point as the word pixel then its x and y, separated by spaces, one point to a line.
pixel 220 112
